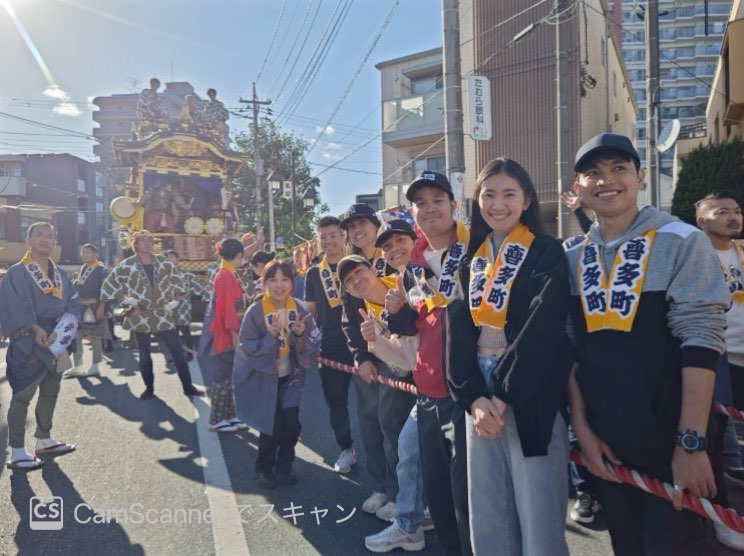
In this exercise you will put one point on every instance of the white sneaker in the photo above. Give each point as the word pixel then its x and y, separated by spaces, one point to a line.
pixel 239 424
pixel 729 538
pixel 75 372
pixel 345 460
pixel 223 426
pixel 374 502
pixel 388 512
pixel 394 537
pixel 92 371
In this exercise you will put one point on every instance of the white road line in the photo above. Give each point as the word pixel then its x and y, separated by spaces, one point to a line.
pixel 227 528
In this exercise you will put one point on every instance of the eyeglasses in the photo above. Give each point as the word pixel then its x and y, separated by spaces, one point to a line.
pixel 44 236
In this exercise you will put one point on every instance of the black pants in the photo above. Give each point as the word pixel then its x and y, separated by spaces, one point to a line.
pixel 737 385
pixel 441 432
pixel 278 449
pixel 336 393
pixel 185 332
pixel 170 339
pixel 382 411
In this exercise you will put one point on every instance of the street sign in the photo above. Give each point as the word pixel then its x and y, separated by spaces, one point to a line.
pixel 479 107
pixel 287 190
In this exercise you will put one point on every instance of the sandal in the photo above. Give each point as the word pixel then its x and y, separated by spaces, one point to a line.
pixel 58 448
pixel 223 426
pixel 33 463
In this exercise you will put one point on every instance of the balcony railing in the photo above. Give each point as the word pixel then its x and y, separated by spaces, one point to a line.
pixel 414 113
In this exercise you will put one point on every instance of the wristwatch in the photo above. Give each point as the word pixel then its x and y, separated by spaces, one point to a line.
pixel 690 441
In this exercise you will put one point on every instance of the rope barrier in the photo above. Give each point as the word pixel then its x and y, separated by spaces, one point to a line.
pixel 730 411
pixel 701 506
pixel 391 382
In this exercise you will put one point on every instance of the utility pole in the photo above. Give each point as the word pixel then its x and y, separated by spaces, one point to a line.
pixel 257 161
pixel 561 121
pixel 294 199
pixel 651 24
pixel 453 127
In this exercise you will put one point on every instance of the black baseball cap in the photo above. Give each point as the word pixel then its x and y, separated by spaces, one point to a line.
pixel 359 210
pixel 431 179
pixel 349 263
pixel 395 226
pixel 606 141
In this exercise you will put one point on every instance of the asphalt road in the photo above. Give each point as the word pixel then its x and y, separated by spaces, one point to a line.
pixel 149 478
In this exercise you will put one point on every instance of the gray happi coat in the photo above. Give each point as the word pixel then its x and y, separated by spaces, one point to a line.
pixel 255 377
pixel 22 304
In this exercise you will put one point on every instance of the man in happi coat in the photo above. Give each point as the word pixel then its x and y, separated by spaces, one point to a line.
pixel 35 297
pixel 94 325
pixel 150 286
pixel 183 311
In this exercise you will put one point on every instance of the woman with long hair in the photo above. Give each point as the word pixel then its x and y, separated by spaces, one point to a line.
pixel 219 339
pixel 278 340
pixel 509 365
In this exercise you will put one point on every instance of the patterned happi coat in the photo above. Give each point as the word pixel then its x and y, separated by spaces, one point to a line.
pixel 193 287
pixel 129 279
pixel 209 282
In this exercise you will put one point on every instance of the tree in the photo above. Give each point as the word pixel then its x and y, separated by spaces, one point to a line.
pixel 277 150
pixel 705 169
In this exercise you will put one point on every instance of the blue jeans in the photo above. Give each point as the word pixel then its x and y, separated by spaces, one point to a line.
pixel 410 500
pixel 517 504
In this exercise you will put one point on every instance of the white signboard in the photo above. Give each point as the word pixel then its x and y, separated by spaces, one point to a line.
pixel 479 107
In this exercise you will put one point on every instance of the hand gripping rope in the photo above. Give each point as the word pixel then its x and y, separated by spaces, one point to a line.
pixel 701 506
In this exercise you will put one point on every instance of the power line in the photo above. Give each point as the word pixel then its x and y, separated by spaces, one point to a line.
pixel 346 169
pixel 273 38
pixel 354 77
pixel 47 126
pixel 291 49
pixel 504 22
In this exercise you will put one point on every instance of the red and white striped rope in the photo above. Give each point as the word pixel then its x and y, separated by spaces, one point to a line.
pixel 391 382
pixel 730 411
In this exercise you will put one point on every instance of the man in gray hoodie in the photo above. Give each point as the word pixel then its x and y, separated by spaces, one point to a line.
pixel 648 321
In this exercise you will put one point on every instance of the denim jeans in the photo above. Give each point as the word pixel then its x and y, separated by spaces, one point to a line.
pixel 517 504
pixel 410 500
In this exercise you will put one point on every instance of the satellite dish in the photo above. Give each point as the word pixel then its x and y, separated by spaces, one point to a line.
pixel 668 136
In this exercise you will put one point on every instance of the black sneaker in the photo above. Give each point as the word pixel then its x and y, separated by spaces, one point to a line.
pixel 735 476
pixel 286 477
pixel 147 394
pixel 584 509
pixel 266 479
pixel 195 392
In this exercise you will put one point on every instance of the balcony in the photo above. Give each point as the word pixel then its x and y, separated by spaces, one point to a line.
pixel 409 120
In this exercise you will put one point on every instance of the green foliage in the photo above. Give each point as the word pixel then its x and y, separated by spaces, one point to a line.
pixel 705 169
pixel 277 150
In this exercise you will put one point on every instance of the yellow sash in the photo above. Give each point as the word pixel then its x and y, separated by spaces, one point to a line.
pixel 291 316
pixel 491 277
pixel 86 270
pixel 378 311
pixel 330 283
pixel 227 266
pixel 447 286
pixel 613 306
pixel 39 276
pixel 736 295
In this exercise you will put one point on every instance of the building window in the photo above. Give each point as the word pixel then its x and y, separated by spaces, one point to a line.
pixel 614 83
pixel 10 169
pixel 81 186
pixel 26 222
pixel 426 84
pixel 99 184
pixel 431 164
pixel 81 218
pixel 99 208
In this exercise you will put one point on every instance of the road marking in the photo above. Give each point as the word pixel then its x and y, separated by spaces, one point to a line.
pixel 227 527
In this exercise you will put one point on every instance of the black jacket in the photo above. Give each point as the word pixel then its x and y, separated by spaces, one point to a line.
pixel 532 374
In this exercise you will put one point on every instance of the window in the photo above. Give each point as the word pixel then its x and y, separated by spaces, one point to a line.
pixel 426 84
pixel 81 186
pixel 10 169
pixel 26 222
pixel 99 209
pixel 81 218
pixel 614 83
pixel 99 184
pixel 431 164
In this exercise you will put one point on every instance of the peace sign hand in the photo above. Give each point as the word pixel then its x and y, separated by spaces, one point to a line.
pixel 275 328
pixel 298 327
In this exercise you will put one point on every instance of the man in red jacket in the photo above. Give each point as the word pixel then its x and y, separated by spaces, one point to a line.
pixel 432 283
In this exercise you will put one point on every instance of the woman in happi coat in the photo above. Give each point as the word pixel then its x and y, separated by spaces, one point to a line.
pixel 509 366
pixel 278 340
pixel 219 339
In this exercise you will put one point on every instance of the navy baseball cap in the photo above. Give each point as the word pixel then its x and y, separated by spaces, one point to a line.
pixel 359 210
pixel 430 179
pixel 395 226
pixel 605 141
pixel 349 263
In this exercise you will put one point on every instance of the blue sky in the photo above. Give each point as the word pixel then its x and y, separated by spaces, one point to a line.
pixel 60 53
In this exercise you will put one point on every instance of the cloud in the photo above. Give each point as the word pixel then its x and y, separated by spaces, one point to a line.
pixel 332 151
pixel 66 109
pixel 328 130
pixel 54 91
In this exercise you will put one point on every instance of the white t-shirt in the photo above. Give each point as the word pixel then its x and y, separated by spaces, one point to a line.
pixel 434 260
pixel 735 315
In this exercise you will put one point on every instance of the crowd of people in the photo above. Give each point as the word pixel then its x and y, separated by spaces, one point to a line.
pixel 518 344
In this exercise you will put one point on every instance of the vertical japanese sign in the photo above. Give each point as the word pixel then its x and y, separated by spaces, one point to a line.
pixel 479 107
